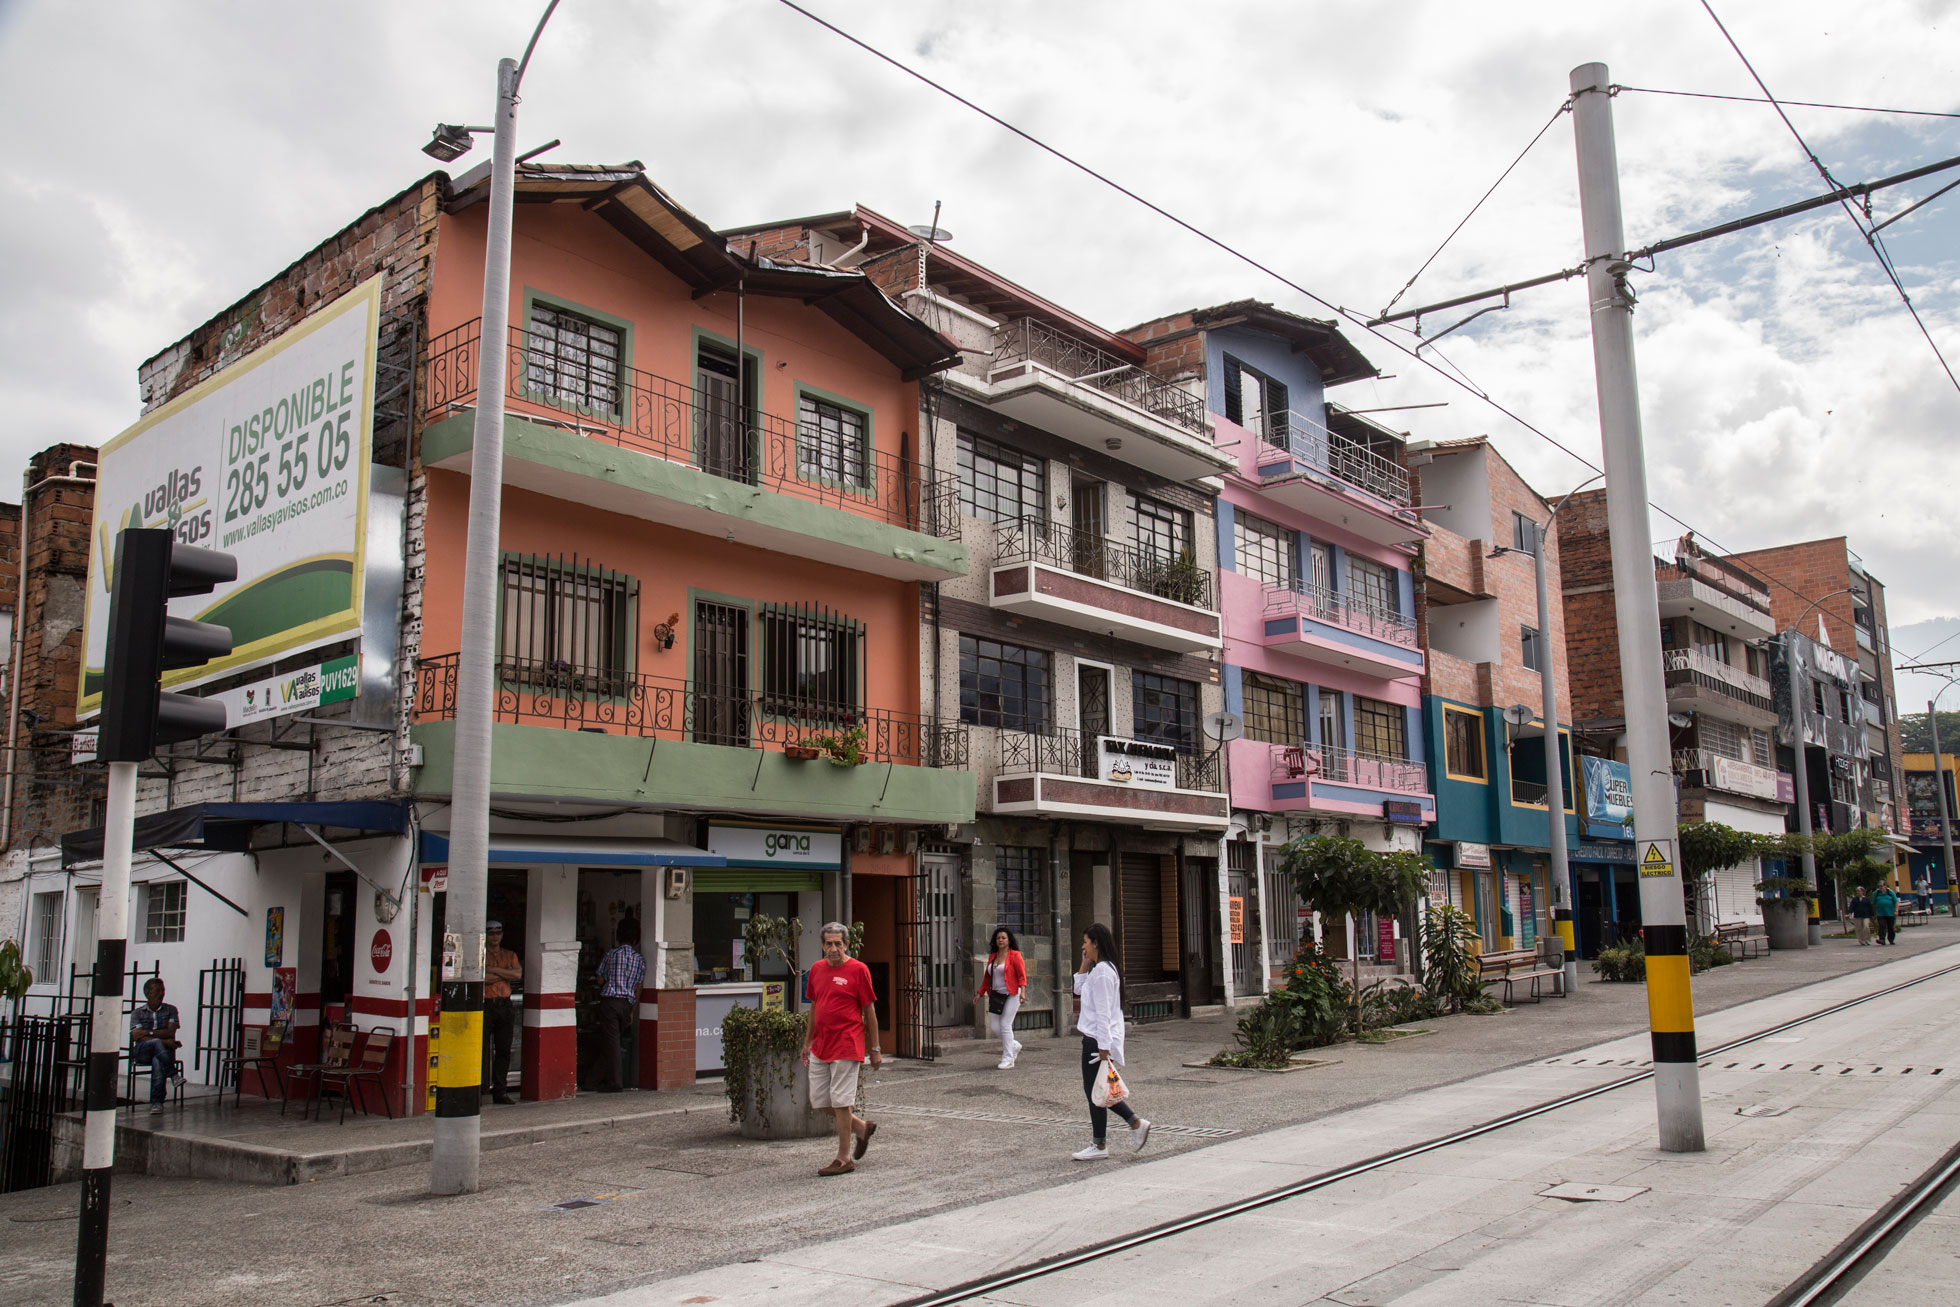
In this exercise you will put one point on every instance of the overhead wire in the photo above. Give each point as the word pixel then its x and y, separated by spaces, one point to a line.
pixel 1801 104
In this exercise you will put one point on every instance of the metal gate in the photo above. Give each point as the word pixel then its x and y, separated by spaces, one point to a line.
pixel 220 1013
pixel 912 1015
pixel 50 1058
pixel 939 883
pixel 1242 889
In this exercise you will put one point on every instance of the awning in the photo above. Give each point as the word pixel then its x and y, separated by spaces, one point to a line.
pixel 532 851
pixel 228 827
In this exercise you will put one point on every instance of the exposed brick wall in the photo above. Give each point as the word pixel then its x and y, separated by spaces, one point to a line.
pixel 1174 348
pixel 1592 626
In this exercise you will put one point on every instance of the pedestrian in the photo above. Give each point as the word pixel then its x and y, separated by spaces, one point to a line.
pixel 501 968
pixel 1004 984
pixel 1861 913
pixel 1100 986
pixel 621 973
pixel 1885 907
pixel 843 1023
pixel 153 1040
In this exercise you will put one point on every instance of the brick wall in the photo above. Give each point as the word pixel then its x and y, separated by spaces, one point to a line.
pixel 1173 348
pixel 1592 627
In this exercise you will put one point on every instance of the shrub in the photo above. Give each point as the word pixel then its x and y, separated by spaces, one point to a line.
pixel 1311 1010
pixel 1449 957
pixel 1622 962
pixel 1395 1003
pixel 1704 953
pixel 750 1040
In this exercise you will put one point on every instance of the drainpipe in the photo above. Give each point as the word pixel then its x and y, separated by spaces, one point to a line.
pixel 865 231
pixel 1057 952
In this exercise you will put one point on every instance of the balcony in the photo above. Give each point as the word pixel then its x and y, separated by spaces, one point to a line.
pixel 1313 778
pixel 1064 773
pixel 1046 379
pixel 1699 683
pixel 616 736
pixel 1696 598
pixel 1056 573
pixel 1340 631
pixel 1337 479
pixel 1454 568
pixel 667 452
pixel 1729 775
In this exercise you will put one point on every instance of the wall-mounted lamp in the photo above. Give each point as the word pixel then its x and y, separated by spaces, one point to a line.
pixel 663 634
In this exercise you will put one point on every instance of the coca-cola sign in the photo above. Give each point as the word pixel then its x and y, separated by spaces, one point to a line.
pixel 382 951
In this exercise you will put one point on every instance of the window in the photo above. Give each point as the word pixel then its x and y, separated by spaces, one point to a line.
pixel 1372 586
pixel 1528 643
pixel 1524 533
pixel 1003 685
pixel 566 625
pixel 1463 744
pixel 999 484
pixel 163 911
pixel 573 360
pixel 1711 644
pixel 810 660
pixel 1720 737
pixel 1020 904
pixel 47 937
pixel 1755 662
pixel 1817 698
pixel 1165 709
pixel 1764 756
pixel 1333 729
pixel 1667 635
pixel 720 951
pixel 1160 528
pixel 1265 551
pixel 1255 401
pixel 830 443
pixel 1275 710
pixel 1381 730
pixel 1844 707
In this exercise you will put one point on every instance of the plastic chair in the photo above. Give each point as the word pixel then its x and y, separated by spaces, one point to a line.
pixel 372 1065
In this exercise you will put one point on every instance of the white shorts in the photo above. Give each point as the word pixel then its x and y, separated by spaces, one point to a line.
pixel 834 1084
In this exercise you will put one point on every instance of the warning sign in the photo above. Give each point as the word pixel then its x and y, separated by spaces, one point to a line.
pixel 1657 858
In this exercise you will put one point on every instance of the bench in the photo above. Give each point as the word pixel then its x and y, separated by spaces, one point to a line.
pixel 1743 939
pixel 1915 916
pixel 1507 967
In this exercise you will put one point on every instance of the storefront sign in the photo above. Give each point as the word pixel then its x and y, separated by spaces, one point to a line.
pixel 436 879
pixel 1609 797
pixel 1527 917
pixel 1597 851
pixel 1136 762
pixel 381 951
pixel 770 846
pixel 1786 788
pixel 1472 855
pixel 1744 778
pixel 275 936
pixel 1402 812
pixel 81 747
pixel 335 681
pixel 1238 918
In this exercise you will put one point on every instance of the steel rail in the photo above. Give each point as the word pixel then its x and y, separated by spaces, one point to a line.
pixel 1866 1247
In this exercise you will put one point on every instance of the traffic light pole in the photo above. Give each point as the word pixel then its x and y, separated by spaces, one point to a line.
pixel 1670 1005
pixel 105 1038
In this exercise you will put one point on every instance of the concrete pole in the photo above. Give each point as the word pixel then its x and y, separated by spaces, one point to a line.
pixel 1946 817
pixel 1802 753
pixel 106 1036
pixel 1670 1005
pixel 1554 767
pixel 453 1163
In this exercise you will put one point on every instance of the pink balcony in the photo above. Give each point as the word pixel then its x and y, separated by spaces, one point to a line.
pixel 1339 631
pixel 1307 777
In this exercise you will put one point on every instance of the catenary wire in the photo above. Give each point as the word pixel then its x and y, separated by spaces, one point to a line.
pixel 1801 104
pixel 1218 243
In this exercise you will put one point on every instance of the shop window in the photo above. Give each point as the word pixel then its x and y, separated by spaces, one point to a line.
pixel 566 625
pixel 832 442
pixel 720 952
pixel 1275 710
pixel 1255 401
pixel 1381 730
pixel 1020 875
pixel 1463 744
pixel 1264 550
pixel 810 662
pixel 47 937
pixel 1160 528
pixel 163 911
pixel 999 484
pixel 1003 685
pixel 1165 709
pixel 573 360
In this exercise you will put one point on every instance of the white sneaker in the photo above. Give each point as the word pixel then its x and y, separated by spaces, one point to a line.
pixel 1091 1154
pixel 156 1109
pixel 1141 1133
pixel 1005 1064
pixel 1017 1050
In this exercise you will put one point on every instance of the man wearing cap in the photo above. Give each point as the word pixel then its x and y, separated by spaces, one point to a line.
pixel 501 966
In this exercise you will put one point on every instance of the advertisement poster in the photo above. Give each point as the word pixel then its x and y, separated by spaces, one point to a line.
pixel 1238 919
pixel 1609 797
pixel 275 936
pixel 266 461
pixel 1385 938
pixel 285 992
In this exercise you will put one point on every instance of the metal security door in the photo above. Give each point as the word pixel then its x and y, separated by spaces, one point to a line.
pixel 1142 913
pixel 220 1014
pixel 940 884
pixel 925 961
pixel 1243 925
pixel 1092 713
pixel 721 674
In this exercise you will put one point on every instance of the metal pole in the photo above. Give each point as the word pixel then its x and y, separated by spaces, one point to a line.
pixel 1946 819
pixel 453 1163
pixel 1816 935
pixel 105 1037
pixel 1554 766
pixel 1670 1004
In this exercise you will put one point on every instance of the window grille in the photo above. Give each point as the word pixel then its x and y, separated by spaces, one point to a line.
pixel 1380 729
pixel 47 936
pixel 1019 880
pixel 1003 685
pixel 1165 709
pixel 999 484
pixel 831 443
pixel 1765 756
pixel 572 359
pixel 811 659
pixel 1274 709
pixel 163 912
pixel 566 625
pixel 1160 528
pixel 1265 551
pixel 1718 736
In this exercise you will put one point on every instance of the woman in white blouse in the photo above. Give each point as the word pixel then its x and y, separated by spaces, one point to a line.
pixel 1100 987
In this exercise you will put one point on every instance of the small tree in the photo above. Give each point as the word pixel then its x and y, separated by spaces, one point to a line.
pixel 1708 847
pixel 15 975
pixel 1851 861
pixel 1344 878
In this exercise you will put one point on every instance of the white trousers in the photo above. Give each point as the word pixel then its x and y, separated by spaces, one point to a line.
pixel 1002 1025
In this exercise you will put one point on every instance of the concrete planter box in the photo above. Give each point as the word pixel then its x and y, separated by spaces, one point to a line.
pixel 788 1114
pixel 1788 923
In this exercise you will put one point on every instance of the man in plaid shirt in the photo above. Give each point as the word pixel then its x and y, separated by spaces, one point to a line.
pixel 622 971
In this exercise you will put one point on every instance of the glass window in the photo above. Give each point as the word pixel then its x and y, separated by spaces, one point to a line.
pixel 1020 901
pixel 1463 743
pixel 1524 533
pixel 1265 551
pixel 1160 528
pixel 1255 401
pixel 163 912
pixel 1718 736
pixel 47 937
pixel 999 484
pixel 1381 730
pixel 720 952
pixel 1711 644
pixel 1275 710
pixel 564 622
pixel 1333 729
pixel 1165 709
pixel 1372 586
pixel 572 359
pixel 1528 643
pixel 809 661
pixel 1003 685
pixel 830 443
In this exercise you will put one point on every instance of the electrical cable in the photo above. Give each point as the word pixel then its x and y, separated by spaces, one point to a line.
pixel 1801 104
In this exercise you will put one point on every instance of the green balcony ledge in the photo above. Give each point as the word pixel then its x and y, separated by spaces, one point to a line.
pixel 548 762
pixel 587 471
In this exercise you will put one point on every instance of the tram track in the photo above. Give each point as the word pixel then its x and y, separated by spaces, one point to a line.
pixel 1843 1266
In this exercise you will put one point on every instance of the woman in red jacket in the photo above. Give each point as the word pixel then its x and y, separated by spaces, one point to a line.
pixel 1004 984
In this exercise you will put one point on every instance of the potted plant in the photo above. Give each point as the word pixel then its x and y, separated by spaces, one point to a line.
pixel 767 1084
pixel 843 748
pixel 1786 910
pixel 802 751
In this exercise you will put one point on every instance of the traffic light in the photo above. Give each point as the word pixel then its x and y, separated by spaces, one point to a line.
pixel 145 642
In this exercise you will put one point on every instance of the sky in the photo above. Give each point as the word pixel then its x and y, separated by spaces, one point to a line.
pixel 168 158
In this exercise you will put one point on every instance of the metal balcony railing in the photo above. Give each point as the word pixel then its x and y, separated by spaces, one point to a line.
pixel 693 427
pixel 1340 457
pixel 1066 751
pixel 659 707
pixel 1030 340
pixel 1357 615
pixel 1299 761
pixel 1033 540
pixel 1689 667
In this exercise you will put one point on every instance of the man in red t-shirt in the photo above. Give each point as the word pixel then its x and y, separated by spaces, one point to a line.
pixel 843 1022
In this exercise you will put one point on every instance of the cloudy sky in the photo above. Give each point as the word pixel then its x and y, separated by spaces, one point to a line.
pixel 167 158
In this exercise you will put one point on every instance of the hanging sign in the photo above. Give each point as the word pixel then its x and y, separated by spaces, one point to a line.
pixel 1238 918
pixel 1472 855
pixel 1136 762
pixel 1656 857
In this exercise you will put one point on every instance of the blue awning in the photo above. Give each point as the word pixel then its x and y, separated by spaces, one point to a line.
pixel 535 851
pixel 228 827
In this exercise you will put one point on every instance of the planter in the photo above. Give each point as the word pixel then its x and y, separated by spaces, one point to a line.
pixel 1788 923
pixel 786 1113
pixel 802 752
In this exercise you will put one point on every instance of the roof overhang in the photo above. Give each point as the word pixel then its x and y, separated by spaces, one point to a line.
pixel 534 851
pixel 228 827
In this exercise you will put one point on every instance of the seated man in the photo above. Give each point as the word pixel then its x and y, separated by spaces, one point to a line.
pixel 154 1032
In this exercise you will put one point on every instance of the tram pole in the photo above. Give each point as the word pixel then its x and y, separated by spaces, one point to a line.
pixel 105 1038
pixel 1670 1004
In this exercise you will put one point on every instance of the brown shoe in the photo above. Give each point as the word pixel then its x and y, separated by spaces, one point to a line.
pixel 864 1140
pixel 837 1168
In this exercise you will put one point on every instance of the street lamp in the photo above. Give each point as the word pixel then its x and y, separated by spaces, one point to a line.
pixel 456 1155
pixel 1554 768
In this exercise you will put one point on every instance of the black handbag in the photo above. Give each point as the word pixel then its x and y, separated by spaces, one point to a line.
pixel 996 1003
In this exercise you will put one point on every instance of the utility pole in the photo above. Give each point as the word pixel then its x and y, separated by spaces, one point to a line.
pixel 1816 935
pixel 1670 1004
pixel 1946 817
pixel 1554 765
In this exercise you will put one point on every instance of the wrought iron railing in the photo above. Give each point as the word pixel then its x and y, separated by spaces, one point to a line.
pixel 686 425
pixel 1037 342
pixel 1347 767
pixel 1340 456
pixel 1689 667
pixel 659 707
pixel 1033 540
pixel 1067 751
pixel 1358 615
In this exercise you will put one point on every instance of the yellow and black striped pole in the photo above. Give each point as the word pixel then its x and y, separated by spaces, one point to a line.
pixel 1670 1004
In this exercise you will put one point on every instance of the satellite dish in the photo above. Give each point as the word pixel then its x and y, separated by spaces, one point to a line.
pixel 1519 714
pixel 926 231
pixel 1224 726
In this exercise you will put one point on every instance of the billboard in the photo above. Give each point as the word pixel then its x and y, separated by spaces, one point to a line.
pixel 1609 797
pixel 267 461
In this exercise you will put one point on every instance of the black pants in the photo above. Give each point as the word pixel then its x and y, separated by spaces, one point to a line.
pixel 1888 930
pixel 1098 1116
pixel 499 1022
pixel 615 1014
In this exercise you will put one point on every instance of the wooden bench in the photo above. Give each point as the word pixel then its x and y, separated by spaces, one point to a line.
pixel 1743 939
pixel 1507 967
pixel 1915 916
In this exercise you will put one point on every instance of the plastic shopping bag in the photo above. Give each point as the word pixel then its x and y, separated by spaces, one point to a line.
pixel 1109 1088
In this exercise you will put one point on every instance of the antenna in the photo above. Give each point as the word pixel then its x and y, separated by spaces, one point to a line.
pixel 1520 714
pixel 931 231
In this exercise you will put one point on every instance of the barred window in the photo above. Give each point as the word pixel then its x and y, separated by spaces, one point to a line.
pixel 1020 897
pixel 1003 685
pixel 810 661
pixel 163 911
pixel 1265 551
pixel 1160 528
pixel 572 359
pixel 999 484
pixel 566 625
pixel 1463 743
pixel 1380 729
pixel 1275 710
pixel 1720 737
pixel 48 924
pixel 1164 709
pixel 831 443
pixel 1371 585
